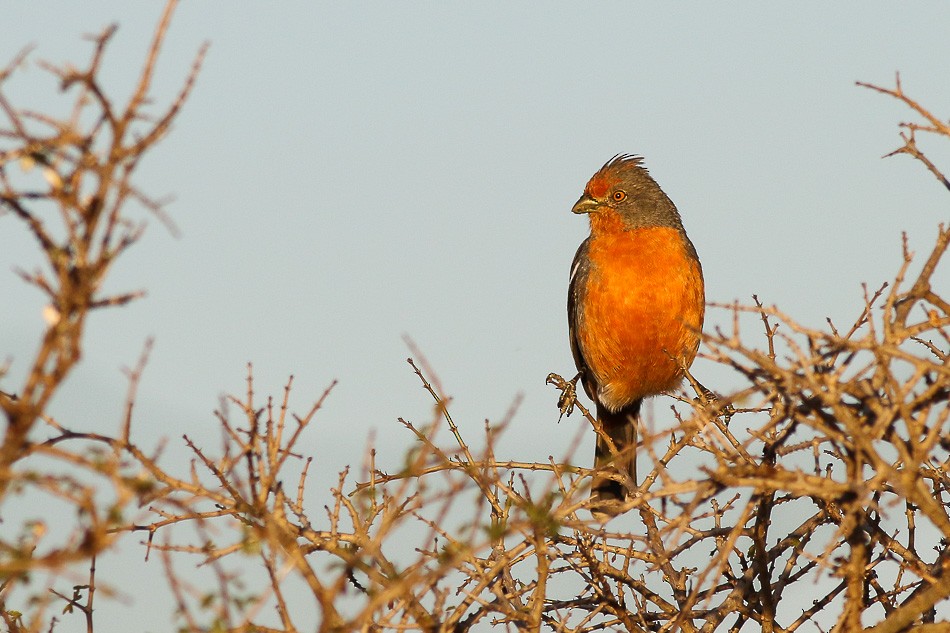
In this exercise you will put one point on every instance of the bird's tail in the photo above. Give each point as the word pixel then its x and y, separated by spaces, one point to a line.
pixel 619 461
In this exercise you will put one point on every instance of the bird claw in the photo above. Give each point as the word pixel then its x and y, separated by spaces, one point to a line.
pixel 568 397
pixel 710 397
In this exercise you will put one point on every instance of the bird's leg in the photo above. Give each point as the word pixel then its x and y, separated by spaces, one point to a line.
pixel 706 396
pixel 568 397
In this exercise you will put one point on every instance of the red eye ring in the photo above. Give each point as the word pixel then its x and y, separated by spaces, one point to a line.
pixel 619 195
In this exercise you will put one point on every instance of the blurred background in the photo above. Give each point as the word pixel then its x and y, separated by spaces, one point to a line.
pixel 347 176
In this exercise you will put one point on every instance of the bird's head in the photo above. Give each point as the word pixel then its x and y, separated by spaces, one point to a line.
pixel 623 193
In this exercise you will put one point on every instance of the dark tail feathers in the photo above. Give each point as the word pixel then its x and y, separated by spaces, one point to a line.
pixel 609 491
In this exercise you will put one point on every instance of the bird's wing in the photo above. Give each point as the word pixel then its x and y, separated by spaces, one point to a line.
pixel 580 269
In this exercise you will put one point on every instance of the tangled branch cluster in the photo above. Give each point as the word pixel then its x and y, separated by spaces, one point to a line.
pixel 69 183
pixel 814 498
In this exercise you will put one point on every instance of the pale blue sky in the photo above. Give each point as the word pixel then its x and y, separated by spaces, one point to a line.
pixel 347 174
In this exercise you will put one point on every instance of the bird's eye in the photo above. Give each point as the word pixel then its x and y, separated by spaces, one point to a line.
pixel 619 195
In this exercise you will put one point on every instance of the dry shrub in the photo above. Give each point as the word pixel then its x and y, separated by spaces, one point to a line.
pixel 813 498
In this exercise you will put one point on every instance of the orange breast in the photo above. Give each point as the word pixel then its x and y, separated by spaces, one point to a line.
pixel 644 304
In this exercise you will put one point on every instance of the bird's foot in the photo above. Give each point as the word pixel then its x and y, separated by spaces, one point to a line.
pixel 568 397
pixel 709 397
pixel 706 397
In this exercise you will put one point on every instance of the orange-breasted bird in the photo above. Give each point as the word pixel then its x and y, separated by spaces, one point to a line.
pixel 635 310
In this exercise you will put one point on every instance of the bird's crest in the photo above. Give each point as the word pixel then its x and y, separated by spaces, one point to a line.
pixel 613 171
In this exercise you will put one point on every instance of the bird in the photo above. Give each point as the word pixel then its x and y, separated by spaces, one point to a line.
pixel 636 302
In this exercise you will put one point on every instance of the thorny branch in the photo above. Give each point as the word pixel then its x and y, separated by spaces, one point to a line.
pixel 69 182
pixel 826 474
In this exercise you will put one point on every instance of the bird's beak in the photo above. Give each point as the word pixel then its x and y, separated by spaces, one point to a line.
pixel 585 204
